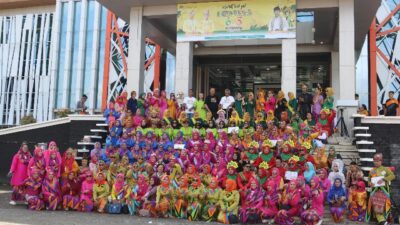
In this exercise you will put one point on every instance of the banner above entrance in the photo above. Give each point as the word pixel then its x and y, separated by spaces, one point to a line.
pixel 230 20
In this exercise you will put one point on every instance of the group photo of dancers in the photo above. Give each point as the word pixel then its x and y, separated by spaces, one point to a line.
pixel 237 158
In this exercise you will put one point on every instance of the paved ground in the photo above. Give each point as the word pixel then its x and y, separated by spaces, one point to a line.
pixel 19 215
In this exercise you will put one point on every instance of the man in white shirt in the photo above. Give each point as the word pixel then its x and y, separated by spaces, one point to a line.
pixel 189 104
pixel 278 23
pixel 227 101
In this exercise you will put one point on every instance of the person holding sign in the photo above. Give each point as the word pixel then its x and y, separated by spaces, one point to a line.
pixel 379 179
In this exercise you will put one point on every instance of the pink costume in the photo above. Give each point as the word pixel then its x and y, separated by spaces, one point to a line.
pixel 252 201
pixel 86 198
pixel 162 103
pixel 325 182
pixel 270 208
pixel 52 146
pixel 18 169
pixel 32 191
pixel 316 209
pixel 269 104
pixel 291 203
pixel 51 191
pixel 53 164
pixel 37 163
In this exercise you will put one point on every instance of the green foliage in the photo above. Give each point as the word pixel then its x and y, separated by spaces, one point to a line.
pixel 61 113
pixel 27 120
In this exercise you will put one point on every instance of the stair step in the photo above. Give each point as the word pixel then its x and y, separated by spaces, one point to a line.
pixel 366 159
pixel 366 168
pixel 367 150
pixel 364 142
pixel 78 158
pixel 93 136
pixel 83 150
pixel 98 131
pixel 101 125
pixel 85 143
pixel 363 135
pixel 360 128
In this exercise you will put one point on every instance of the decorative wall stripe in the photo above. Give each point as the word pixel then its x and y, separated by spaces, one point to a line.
pixel 24 71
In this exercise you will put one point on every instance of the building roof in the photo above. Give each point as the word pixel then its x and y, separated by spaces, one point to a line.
pixel 12 4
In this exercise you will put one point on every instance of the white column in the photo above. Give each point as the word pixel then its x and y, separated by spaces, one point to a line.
pixel 81 54
pixel 289 65
pixel 346 50
pixel 55 41
pixel 135 76
pixel 184 67
pixel 66 74
pixel 335 74
pixel 94 67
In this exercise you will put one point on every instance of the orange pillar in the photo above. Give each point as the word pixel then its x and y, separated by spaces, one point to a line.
pixel 157 64
pixel 106 71
pixel 373 80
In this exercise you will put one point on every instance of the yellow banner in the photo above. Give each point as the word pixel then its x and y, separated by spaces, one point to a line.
pixel 228 20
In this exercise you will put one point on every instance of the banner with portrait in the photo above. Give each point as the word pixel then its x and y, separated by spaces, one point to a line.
pixel 230 20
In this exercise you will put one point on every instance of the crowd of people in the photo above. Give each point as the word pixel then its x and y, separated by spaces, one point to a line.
pixel 231 159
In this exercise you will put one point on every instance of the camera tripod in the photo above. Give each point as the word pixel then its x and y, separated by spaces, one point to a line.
pixel 343 127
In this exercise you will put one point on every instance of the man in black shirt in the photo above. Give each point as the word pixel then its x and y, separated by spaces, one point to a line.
pixel 132 103
pixel 212 102
pixel 305 100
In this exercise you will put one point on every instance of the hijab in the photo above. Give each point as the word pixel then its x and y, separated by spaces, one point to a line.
pixel 230 185
pixel 310 172
pixel 119 182
pixel 336 192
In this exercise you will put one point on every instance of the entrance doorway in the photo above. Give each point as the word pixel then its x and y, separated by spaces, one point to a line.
pixel 254 72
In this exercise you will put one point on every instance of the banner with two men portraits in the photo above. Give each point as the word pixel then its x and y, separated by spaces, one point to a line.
pixel 230 20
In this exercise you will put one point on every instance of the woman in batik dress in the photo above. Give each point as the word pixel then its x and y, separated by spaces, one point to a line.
pixel 180 198
pixel 163 198
pixel 33 186
pixel 229 202
pixel 71 188
pixel 337 197
pixel 195 198
pixel 252 201
pixel 86 198
pixel 51 191
pixel 212 195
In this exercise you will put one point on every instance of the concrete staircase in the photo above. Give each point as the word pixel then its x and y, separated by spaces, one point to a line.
pixel 98 134
pixel 344 146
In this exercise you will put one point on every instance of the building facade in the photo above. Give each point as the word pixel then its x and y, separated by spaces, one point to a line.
pixel 324 51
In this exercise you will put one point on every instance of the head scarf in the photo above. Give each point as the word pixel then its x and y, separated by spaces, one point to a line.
pixel 230 185
pixel 360 186
pixel 317 183
pixel 310 172
pixel 214 183
pixel 336 192
pixel 119 182
pixel 339 163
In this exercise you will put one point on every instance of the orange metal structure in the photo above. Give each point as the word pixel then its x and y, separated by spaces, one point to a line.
pixel 113 31
pixel 375 35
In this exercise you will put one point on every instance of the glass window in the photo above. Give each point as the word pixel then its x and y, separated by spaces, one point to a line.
pixel 75 51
